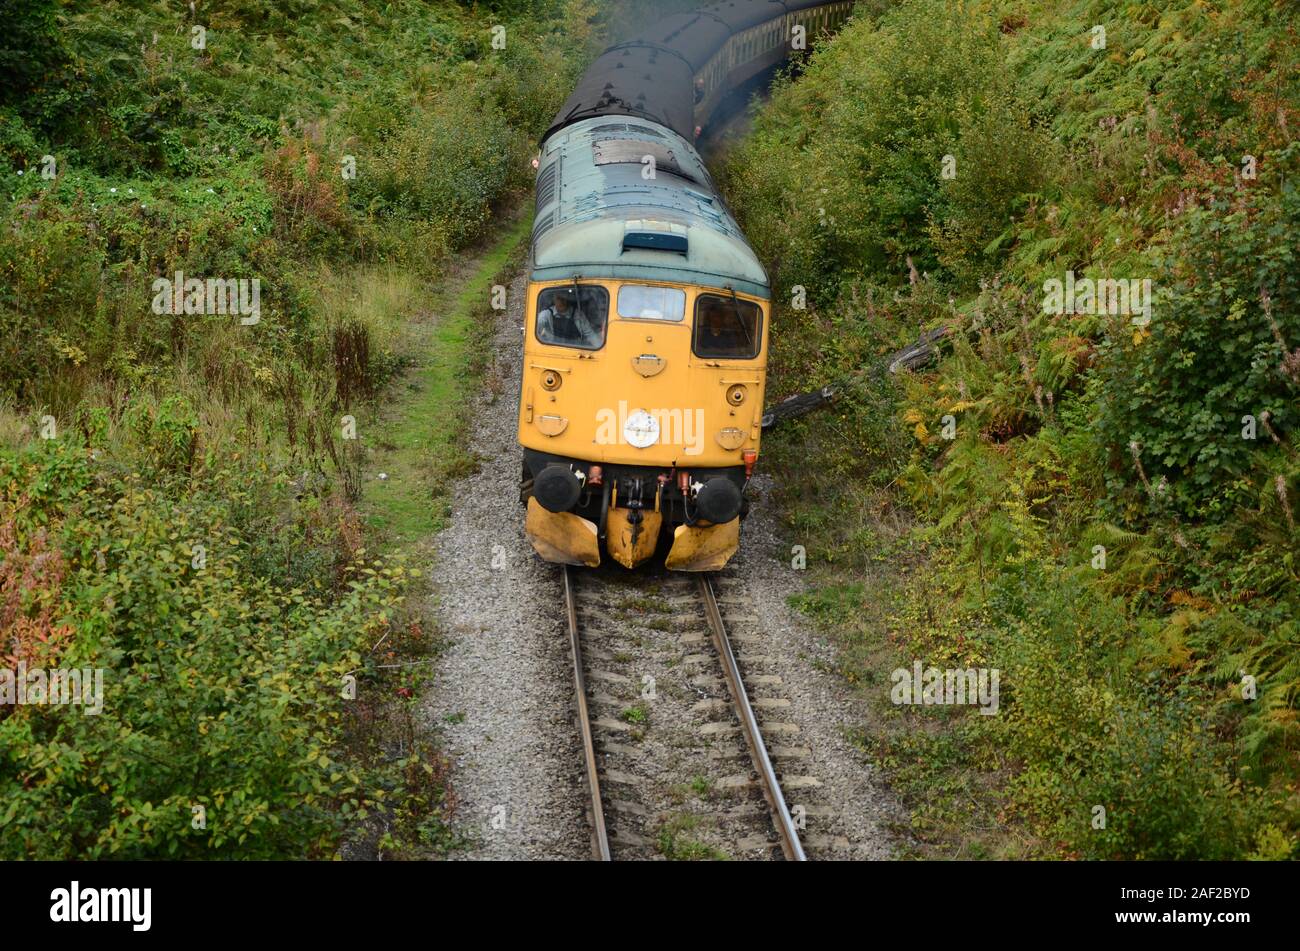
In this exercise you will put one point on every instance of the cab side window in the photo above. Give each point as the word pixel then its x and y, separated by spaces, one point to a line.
pixel 573 316
pixel 727 327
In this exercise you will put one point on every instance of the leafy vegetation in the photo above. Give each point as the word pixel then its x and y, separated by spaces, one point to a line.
pixel 221 683
pixel 181 501
pixel 1112 523
pixel 1100 506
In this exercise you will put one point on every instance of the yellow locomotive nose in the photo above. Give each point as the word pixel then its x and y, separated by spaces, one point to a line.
pixel 640 416
pixel 644 353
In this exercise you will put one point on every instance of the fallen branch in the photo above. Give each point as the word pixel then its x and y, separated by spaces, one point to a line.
pixel 798 405
pixel 918 354
pixel 909 358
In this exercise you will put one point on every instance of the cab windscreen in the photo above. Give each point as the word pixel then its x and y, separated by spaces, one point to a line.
pixel 573 316
pixel 727 327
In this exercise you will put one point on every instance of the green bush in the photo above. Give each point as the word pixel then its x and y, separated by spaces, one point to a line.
pixel 222 689
pixel 31 51
pixel 845 168
pixel 1089 516
pixel 1093 733
pixel 1223 343
pixel 434 170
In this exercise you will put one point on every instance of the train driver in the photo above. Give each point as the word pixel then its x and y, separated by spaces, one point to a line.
pixel 564 323
pixel 723 334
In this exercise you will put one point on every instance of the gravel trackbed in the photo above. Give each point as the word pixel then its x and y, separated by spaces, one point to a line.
pixel 502 696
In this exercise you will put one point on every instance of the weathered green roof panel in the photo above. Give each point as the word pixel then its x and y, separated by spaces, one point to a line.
pixel 600 179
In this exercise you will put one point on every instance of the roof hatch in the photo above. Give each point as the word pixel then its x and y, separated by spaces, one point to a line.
pixel 650 235
pixel 655 241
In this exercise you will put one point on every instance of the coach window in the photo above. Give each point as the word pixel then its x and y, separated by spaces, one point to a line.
pixel 727 327
pixel 646 302
pixel 573 316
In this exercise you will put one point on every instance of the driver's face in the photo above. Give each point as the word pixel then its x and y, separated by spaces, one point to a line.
pixel 561 303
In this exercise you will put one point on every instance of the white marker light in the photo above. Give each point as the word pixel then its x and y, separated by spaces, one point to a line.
pixel 641 429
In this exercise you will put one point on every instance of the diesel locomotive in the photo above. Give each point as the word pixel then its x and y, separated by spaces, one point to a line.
pixel 646 324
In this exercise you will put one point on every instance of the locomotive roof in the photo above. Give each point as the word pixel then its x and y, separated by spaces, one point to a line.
pixel 591 196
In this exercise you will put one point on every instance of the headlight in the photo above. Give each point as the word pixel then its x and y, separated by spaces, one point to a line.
pixel 641 429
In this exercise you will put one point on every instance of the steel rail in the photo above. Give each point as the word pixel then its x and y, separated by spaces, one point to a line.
pixel 600 838
pixel 789 835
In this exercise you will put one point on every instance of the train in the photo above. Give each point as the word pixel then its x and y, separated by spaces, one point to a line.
pixel 647 317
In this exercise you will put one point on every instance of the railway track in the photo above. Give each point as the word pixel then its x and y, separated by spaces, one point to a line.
pixel 675 760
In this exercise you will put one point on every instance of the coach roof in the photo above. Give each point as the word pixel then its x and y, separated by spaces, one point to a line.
pixel 651 75
pixel 695 37
pixel 634 80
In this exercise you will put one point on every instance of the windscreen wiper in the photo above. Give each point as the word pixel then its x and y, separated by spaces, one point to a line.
pixel 735 309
